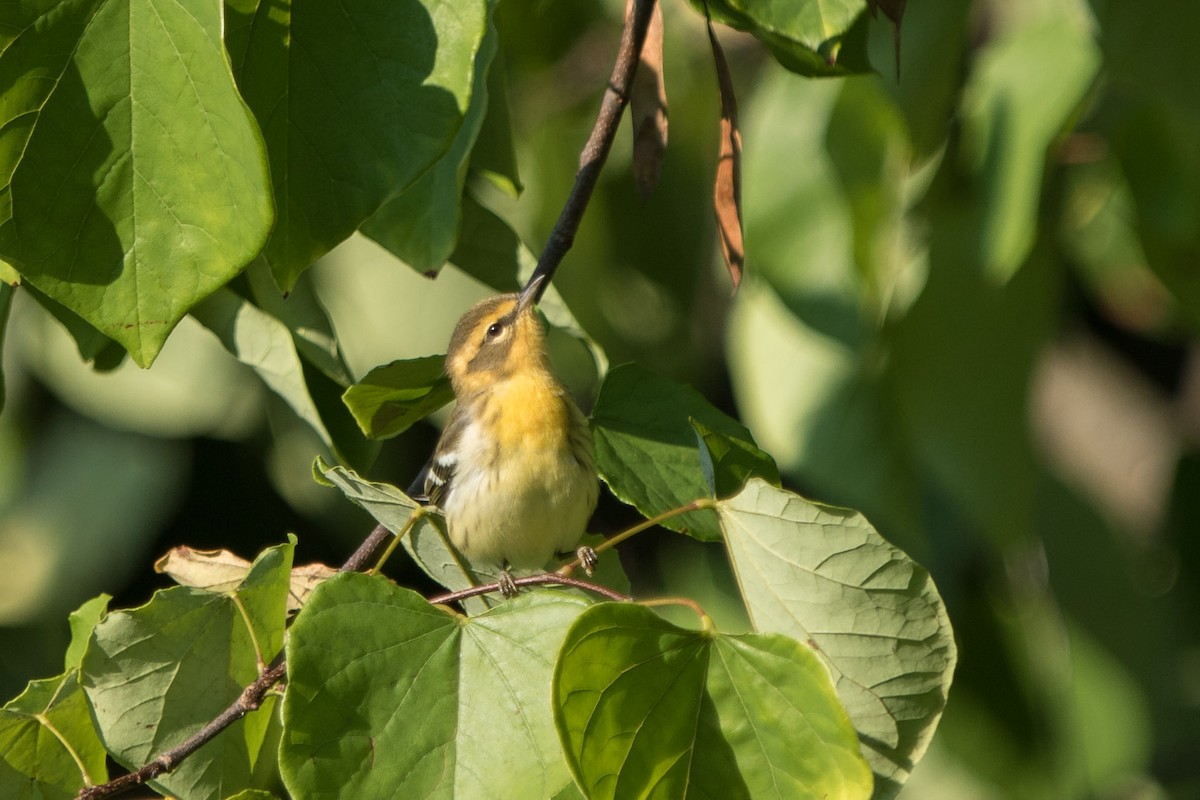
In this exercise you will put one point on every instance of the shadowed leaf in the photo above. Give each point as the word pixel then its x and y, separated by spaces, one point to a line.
pixel 391 398
pixel 339 149
pixel 646 450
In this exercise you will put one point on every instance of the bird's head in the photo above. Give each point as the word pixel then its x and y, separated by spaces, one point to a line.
pixel 497 339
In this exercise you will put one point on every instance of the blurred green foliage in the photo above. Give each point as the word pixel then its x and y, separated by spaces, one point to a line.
pixel 970 312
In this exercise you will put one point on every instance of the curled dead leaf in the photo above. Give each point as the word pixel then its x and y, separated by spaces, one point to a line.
pixel 648 106
pixel 727 189
pixel 221 571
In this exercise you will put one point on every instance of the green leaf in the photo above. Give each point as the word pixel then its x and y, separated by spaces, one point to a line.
pixel 646 709
pixel 91 343
pixel 1154 146
pixel 646 449
pixel 133 182
pixel 265 344
pixel 728 463
pixel 868 149
pixel 421 225
pixel 355 102
pixel 301 311
pixel 389 399
pixel 157 673
pixel 494 156
pixel 804 35
pixel 1021 97
pixel 48 745
pixel 389 696
pixel 253 794
pixel 83 621
pixel 424 538
pixel 823 575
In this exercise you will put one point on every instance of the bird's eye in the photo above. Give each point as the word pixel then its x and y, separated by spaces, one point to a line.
pixel 494 330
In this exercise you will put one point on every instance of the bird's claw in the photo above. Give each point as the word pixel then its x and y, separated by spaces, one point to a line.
pixel 508 587
pixel 588 559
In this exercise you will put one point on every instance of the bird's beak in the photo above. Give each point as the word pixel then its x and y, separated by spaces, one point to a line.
pixel 528 296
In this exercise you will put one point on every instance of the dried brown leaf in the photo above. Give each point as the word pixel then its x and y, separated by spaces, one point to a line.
pixel 727 190
pixel 648 106
pixel 221 571
pixel 211 570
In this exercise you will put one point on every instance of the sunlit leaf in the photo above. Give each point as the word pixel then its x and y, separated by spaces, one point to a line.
pixel 806 36
pixel 339 148
pixel 424 537
pixel 646 709
pixel 304 315
pixel 389 696
pixel 133 181
pixel 389 399
pixel 264 344
pixel 83 621
pixel 823 575
pixel 1022 94
pixel 195 652
pixel 48 745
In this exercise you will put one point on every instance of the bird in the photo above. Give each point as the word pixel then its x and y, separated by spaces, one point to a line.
pixel 513 471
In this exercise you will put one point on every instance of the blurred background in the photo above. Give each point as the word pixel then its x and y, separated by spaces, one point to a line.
pixel 970 311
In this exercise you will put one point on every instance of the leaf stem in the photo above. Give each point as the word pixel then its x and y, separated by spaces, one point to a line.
pixel 45 721
pixel 608 544
pixel 413 518
pixel 705 620
pixel 258 654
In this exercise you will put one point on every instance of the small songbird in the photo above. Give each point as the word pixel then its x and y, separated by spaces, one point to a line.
pixel 513 471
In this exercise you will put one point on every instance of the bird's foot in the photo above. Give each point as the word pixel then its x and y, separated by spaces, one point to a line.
pixel 588 558
pixel 508 587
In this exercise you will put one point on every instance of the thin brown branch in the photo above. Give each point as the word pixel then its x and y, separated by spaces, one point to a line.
pixel 249 700
pixel 591 160
pixel 531 580
pixel 361 557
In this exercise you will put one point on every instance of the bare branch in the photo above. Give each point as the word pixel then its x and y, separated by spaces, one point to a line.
pixel 249 700
pixel 591 160
pixel 531 580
